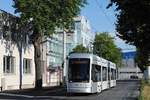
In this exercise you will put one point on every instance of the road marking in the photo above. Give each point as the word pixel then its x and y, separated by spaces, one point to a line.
pixel 34 97
pixel 27 96
pixel 16 95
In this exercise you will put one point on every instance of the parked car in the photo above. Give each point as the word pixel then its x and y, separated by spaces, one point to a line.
pixel 133 77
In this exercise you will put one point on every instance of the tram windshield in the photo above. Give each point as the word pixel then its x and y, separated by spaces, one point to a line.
pixel 79 70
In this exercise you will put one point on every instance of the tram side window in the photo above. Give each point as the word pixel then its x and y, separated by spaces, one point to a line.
pixel 109 73
pixel 96 73
pixel 104 73
pixel 113 76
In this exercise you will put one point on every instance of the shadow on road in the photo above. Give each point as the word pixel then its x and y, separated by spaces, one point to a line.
pixel 125 90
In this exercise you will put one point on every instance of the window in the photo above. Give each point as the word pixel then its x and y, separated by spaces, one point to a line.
pixel 109 73
pixel 8 64
pixel 113 76
pixel 79 70
pixel 96 73
pixel 26 66
pixel 104 73
pixel 78 25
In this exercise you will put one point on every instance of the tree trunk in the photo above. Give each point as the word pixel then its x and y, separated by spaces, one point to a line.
pixel 38 63
pixel 20 67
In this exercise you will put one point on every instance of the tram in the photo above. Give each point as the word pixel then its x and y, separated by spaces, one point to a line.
pixel 88 73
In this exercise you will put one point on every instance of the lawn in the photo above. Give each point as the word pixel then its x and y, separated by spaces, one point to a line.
pixel 145 91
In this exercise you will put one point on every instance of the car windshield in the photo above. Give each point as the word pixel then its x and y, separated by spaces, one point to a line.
pixel 79 70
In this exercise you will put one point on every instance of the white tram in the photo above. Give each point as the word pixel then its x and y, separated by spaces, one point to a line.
pixel 88 73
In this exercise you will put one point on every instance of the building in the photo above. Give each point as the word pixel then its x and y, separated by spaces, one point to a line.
pixel 53 49
pixel 129 67
pixel 10 60
pixel 10 64
pixel 52 56
pixel 82 34
pixel 53 59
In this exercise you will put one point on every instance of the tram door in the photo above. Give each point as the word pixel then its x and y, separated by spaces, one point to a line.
pixel 96 77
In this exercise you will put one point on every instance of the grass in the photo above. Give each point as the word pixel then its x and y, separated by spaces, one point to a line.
pixel 145 90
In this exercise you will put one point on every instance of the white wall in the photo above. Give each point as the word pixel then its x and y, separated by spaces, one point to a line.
pixel 28 80
pixel 11 81
pixel 126 72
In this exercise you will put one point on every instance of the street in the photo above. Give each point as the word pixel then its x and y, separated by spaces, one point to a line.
pixel 125 90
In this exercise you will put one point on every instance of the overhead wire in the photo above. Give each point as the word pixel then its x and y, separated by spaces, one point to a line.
pixel 106 16
pixel 101 9
pixel 109 20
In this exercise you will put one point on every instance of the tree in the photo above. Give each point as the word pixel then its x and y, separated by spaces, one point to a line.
pixel 45 16
pixel 80 49
pixel 133 24
pixel 105 47
pixel 141 59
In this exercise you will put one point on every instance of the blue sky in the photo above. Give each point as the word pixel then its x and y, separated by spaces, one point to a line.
pixel 101 19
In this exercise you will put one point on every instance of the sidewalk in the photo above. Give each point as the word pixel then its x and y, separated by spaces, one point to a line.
pixel 48 91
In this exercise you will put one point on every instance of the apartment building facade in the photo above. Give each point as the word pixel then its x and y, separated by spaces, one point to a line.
pixel 53 60
pixel 10 61
pixel 10 67
pixel 82 34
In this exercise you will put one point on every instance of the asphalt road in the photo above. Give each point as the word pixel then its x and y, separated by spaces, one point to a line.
pixel 125 90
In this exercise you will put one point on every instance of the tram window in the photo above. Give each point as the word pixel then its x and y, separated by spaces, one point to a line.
pixel 78 70
pixel 96 73
pixel 93 73
pixel 109 73
pixel 99 72
pixel 104 73
pixel 113 76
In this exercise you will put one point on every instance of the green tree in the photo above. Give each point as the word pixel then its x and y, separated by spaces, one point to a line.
pixel 141 59
pixel 45 16
pixel 105 47
pixel 80 49
pixel 133 24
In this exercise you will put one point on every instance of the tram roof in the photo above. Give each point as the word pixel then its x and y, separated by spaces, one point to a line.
pixel 80 55
pixel 94 57
pixel 112 65
pixel 86 55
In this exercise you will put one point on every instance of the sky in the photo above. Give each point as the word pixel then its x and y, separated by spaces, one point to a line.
pixel 100 18
pixel 103 20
